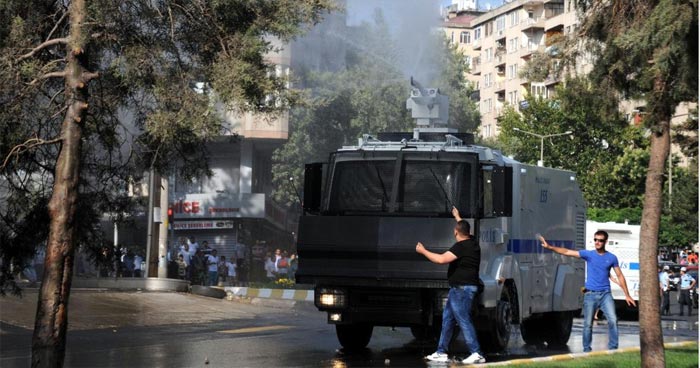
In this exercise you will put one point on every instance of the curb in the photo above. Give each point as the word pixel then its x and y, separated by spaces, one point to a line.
pixel 571 356
pixel 284 294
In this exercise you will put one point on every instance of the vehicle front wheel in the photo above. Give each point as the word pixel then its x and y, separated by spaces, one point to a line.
pixel 354 336
pixel 499 334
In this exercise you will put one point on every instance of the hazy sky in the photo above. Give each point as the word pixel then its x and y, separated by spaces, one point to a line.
pixel 362 10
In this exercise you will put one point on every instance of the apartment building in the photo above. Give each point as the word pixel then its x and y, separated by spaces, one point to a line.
pixel 499 42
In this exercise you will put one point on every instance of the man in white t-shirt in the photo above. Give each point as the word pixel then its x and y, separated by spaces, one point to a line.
pixel 193 244
pixel 213 268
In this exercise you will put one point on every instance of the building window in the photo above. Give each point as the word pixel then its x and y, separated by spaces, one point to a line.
pixel 512 71
pixel 538 90
pixel 514 18
pixel 488 29
pixel 465 37
pixel 487 105
pixel 487 80
pixel 468 61
pixel 513 45
pixel 452 38
pixel 486 132
pixel 488 54
pixel 477 33
pixel 500 24
pixel 513 98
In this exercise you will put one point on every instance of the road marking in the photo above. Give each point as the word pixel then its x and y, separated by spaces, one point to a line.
pixel 256 329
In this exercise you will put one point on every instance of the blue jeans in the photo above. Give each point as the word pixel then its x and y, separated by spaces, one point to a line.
pixel 602 300
pixel 458 312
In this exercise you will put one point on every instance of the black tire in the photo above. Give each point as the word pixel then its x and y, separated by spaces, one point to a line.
pixel 497 337
pixel 558 328
pixel 354 336
pixel 532 331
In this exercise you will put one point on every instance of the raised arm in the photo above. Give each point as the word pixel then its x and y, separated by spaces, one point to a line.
pixel 455 213
pixel 560 250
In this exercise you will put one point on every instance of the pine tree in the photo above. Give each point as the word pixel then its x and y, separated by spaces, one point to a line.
pixel 647 49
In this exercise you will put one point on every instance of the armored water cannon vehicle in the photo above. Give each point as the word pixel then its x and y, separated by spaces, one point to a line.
pixel 365 209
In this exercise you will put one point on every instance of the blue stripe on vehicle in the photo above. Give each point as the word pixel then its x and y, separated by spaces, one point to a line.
pixel 534 246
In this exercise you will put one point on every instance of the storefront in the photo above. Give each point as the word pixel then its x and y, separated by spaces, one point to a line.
pixel 235 225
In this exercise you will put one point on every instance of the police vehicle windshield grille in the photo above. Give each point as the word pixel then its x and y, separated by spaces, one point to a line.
pixel 363 185
pixel 430 186
pixel 425 186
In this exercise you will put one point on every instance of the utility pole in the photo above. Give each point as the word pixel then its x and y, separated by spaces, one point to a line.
pixel 154 216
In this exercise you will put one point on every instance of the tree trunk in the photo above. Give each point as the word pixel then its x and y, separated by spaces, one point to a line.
pixel 650 333
pixel 49 339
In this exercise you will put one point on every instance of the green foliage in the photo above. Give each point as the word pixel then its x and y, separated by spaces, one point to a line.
pixel 150 105
pixel 685 356
pixel 686 135
pixel 619 215
pixel 679 225
pixel 606 153
pixel 645 48
pixel 537 68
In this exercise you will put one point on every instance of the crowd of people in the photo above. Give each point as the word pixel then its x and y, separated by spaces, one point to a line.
pixel 201 265
pixel 280 266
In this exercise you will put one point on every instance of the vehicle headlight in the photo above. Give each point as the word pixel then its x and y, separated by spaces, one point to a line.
pixel 330 298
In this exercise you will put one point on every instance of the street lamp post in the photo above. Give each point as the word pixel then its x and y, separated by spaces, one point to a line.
pixel 542 137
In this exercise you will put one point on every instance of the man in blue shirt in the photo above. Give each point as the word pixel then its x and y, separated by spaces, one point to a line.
pixel 597 291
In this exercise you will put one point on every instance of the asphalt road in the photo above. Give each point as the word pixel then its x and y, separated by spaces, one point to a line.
pixel 118 329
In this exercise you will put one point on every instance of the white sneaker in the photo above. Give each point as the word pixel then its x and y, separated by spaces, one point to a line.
pixel 474 359
pixel 438 357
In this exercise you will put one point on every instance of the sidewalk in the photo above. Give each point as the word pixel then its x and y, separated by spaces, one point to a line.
pixel 286 294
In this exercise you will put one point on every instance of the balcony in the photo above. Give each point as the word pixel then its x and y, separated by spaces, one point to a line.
pixel 554 20
pixel 500 88
pixel 476 45
pixel 551 80
pixel 500 36
pixel 526 51
pixel 532 24
pixel 476 66
pixel 500 60
pixel 475 69
pixel 501 69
